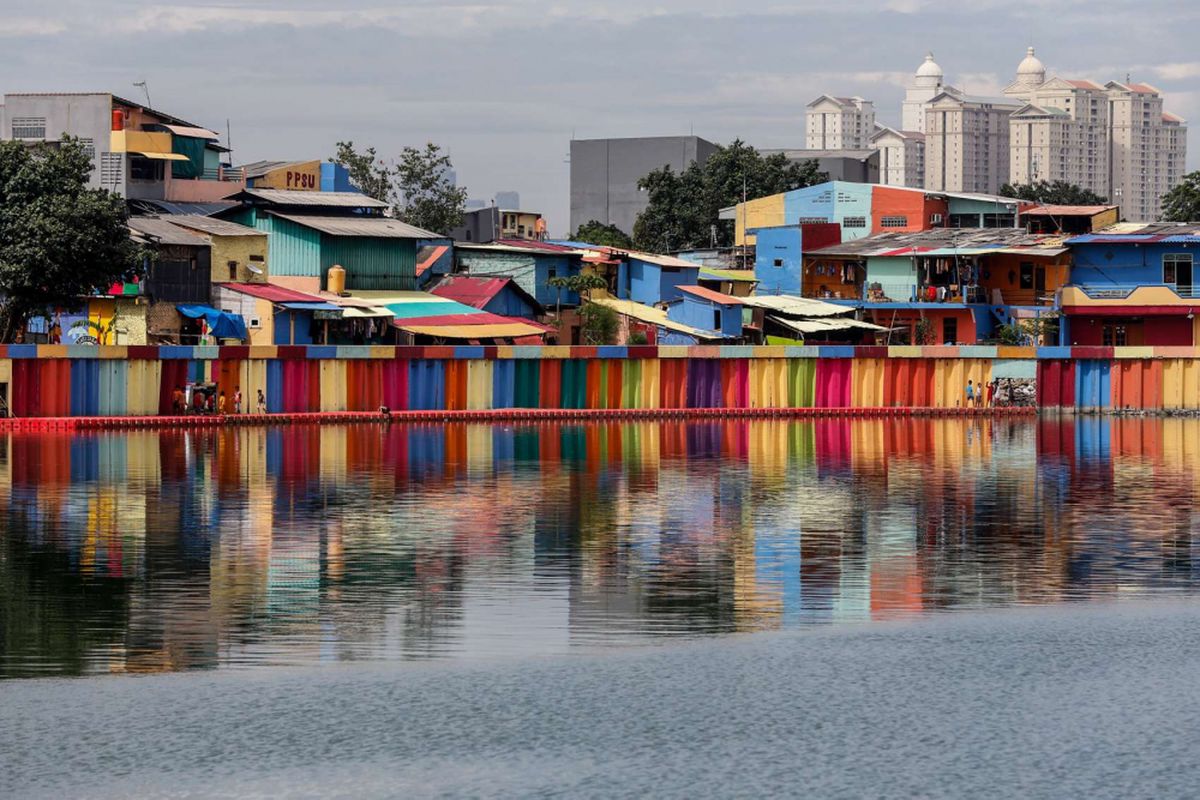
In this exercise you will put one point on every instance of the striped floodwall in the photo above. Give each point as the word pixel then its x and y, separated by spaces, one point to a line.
pixel 80 381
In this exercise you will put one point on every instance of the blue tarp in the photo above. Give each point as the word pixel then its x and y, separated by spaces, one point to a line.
pixel 220 324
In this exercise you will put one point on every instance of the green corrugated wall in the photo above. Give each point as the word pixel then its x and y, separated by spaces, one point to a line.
pixel 372 264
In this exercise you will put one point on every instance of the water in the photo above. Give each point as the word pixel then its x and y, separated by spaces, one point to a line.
pixel 167 551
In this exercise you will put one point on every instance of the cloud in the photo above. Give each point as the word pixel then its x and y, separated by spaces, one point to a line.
pixel 1182 71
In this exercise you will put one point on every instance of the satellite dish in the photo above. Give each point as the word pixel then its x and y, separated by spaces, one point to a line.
pixel 254 269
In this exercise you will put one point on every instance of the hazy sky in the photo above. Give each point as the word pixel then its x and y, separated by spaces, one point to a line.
pixel 503 84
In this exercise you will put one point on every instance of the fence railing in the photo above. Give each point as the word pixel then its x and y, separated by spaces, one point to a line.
pixel 1120 291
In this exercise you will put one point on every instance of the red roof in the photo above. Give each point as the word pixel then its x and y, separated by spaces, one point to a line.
pixel 482 318
pixel 431 255
pixel 477 292
pixel 709 294
pixel 1085 84
pixel 276 294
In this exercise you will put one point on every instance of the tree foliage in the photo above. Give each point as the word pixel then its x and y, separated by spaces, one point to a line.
pixel 1182 204
pixel 684 206
pixel 600 324
pixel 597 233
pixel 427 197
pixel 417 186
pixel 1056 193
pixel 367 171
pixel 59 239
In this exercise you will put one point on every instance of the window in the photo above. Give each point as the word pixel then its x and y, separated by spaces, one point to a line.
pixel 779 262
pixel 1114 336
pixel 255 322
pixel 232 270
pixel 552 273
pixel 1174 264
pixel 894 222
pixel 949 330
pixel 29 128
pixel 854 222
pixel 1026 275
pixel 998 220
pixel 111 167
pixel 716 319
pixel 145 169
pixel 812 221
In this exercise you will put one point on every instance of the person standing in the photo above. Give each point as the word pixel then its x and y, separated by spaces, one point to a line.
pixel 221 404
pixel 970 393
pixel 237 400
pixel 991 392
pixel 262 402
pixel 178 404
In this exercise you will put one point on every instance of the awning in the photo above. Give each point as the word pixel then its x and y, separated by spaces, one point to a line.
pixel 499 331
pixel 826 325
pixel 359 312
pixel 195 133
pixel 221 324
pixel 163 156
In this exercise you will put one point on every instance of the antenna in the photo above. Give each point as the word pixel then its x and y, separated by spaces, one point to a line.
pixel 145 88
pixel 229 142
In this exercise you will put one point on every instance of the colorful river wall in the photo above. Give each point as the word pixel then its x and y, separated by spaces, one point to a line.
pixel 78 381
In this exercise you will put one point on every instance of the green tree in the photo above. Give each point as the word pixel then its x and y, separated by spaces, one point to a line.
pixel 683 207
pixel 427 197
pixel 580 284
pixel 1056 193
pixel 367 171
pixel 600 324
pixel 59 239
pixel 597 233
pixel 1182 204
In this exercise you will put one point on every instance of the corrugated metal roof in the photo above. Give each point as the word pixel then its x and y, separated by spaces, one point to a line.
pixel 478 291
pixel 290 197
pixel 826 325
pixel 377 227
pixel 212 225
pixel 189 131
pixel 161 231
pixel 710 295
pixel 663 261
pixel 257 169
pixel 312 305
pixel 1065 211
pixel 735 275
pixel 269 291
pixel 653 316
pixel 795 306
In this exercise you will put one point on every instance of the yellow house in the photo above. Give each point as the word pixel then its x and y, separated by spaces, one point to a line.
pixel 239 253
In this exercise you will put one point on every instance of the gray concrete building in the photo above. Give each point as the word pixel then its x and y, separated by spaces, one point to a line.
pixel 854 166
pixel 605 174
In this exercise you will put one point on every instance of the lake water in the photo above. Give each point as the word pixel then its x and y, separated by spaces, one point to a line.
pixel 139 552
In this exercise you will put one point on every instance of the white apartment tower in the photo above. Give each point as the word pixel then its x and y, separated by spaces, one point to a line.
pixel 967 143
pixel 901 157
pixel 1115 139
pixel 839 123
pixel 927 84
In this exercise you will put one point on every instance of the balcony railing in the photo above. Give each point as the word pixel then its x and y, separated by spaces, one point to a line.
pixel 1120 291
pixel 231 174
pixel 878 292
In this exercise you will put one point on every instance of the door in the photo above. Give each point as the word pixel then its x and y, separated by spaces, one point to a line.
pixel 1183 277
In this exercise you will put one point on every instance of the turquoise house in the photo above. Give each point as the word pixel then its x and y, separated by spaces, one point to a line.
pixel 310 232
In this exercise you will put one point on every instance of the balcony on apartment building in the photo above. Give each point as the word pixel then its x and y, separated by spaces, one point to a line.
pixel 159 165
pixel 1136 292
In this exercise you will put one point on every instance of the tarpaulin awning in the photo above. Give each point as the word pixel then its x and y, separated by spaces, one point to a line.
pixel 313 306
pixel 221 324
pixel 826 325
pixel 163 156
pixel 498 331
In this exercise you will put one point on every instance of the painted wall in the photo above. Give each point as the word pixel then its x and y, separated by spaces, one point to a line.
pixel 896 275
pixel 336 178
pixel 239 249
pixel 707 315
pixel 651 283
pixel 372 263
pixel 531 271
pixel 779 260
pixel 508 303
pixel 1124 264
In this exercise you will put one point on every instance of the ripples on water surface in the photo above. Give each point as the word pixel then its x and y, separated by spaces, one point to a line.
pixel 149 551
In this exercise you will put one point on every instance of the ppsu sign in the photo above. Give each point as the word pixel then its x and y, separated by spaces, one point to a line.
pixel 304 176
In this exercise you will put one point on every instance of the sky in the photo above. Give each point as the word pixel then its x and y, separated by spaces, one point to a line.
pixel 504 85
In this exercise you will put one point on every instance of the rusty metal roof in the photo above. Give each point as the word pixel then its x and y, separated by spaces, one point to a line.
pixel 291 197
pixel 378 227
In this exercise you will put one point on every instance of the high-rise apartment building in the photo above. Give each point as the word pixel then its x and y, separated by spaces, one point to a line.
pixel 901 157
pixel 1115 139
pixel 839 123
pixel 967 143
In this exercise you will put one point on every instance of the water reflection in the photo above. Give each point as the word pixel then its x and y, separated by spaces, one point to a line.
pixel 154 551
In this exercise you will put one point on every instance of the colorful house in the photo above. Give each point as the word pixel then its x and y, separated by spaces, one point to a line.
pixel 531 265
pixel 652 279
pixel 238 254
pixel 864 209
pixel 708 310
pixel 1132 285
pixel 501 296
pixel 779 258
pixel 310 232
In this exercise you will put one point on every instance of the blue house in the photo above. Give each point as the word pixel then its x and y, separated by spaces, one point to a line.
pixel 531 265
pixel 651 279
pixel 779 254
pixel 707 310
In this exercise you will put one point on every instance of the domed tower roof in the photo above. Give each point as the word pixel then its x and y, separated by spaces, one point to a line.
pixel 1031 72
pixel 929 73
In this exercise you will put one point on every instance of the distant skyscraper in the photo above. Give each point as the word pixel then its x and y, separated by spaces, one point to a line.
pixel 474 204
pixel 508 200
pixel 839 123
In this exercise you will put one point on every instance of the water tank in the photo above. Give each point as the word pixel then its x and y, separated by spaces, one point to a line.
pixel 336 283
